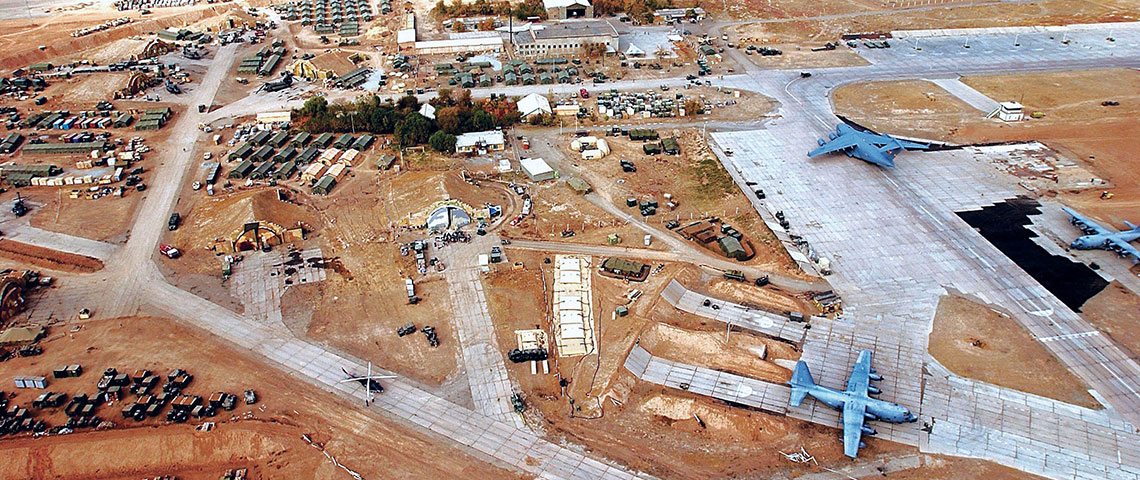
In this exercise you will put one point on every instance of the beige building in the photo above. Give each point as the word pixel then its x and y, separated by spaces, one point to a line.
pixel 563 9
pixel 566 38
pixel 326 66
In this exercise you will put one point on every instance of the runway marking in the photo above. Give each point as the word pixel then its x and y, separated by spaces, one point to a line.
pixel 1069 336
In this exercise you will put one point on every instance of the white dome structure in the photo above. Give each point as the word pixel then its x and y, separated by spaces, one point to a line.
pixel 447 217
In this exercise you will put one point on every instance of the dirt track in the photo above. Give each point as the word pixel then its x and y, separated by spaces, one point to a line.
pixel 20 48
pixel 1098 138
pixel 977 342
pixel 47 258
pixel 265 438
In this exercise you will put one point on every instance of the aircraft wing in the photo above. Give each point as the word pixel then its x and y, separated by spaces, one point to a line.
pixel 1125 248
pixel 860 375
pixel 912 145
pixel 842 143
pixel 853 417
pixel 1086 221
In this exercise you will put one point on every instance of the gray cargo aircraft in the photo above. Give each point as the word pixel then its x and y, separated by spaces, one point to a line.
pixel 1097 236
pixel 855 402
pixel 868 146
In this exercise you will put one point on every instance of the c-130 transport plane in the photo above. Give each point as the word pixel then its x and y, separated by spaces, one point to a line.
pixel 855 402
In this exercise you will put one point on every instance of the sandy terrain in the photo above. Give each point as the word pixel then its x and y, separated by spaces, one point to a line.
pixel 47 258
pixel 908 107
pixel 650 427
pixel 887 17
pixel 696 180
pixel 20 44
pixel 265 438
pixel 976 342
pixel 739 355
pixel 941 467
pixel 206 220
pixel 1099 137
pixel 558 208
pixel 1113 311
pixel 1095 137
pixel 768 296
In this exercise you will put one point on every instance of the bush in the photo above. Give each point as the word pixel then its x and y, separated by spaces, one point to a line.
pixel 442 142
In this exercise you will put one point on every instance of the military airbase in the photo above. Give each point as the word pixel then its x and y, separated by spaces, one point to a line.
pixel 569 239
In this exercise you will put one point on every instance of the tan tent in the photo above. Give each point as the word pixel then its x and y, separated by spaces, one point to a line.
pixel 21 335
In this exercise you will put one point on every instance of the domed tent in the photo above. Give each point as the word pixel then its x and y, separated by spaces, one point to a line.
pixel 447 217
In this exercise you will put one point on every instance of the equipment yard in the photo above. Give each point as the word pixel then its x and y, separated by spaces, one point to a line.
pixel 569 239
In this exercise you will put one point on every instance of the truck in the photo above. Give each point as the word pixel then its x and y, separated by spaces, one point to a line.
pixel 734 275
pixel 583 93
pixel 169 251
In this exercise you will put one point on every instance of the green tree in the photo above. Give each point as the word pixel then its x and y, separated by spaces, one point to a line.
pixel 315 106
pixel 414 130
pixel 450 119
pixel 408 103
pixel 442 141
pixel 443 97
pixel 481 121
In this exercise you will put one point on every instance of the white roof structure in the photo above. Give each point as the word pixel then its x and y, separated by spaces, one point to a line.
pixel 549 4
pixel 634 50
pixel 573 306
pixel 537 169
pixel 533 104
pixel 520 27
pixel 476 43
pixel 447 217
pixel 475 139
pixel 428 111
pixel 407 35
pixel 274 117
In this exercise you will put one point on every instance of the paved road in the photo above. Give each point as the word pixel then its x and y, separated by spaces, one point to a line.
pixel 132 281
pixel 23 232
pixel 485 368
pixel 784 282
pixel 911 248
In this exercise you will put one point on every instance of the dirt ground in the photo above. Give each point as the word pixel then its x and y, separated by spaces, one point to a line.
pixel 768 296
pixel 749 107
pixel 941 467
pixel 360 312
pixel 1100 138
pixel 47 258
pixel 1097 138
pixel 218 219
pixel 558 208
pixel 741 354
pixel 51 206
pixel 697 182
pixel 643 425
pixel 361 224
pixel 882 17
pixel 909 107
pixel 265 438
pixel 977 342
pixel 1113 311
pixel 20 45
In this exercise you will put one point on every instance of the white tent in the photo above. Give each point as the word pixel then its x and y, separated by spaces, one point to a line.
pixel 534 104
pixel 537 169
pixel 428 111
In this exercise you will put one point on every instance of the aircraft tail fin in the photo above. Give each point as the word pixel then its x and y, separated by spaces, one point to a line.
pixel 1131 226
pixel 800 383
